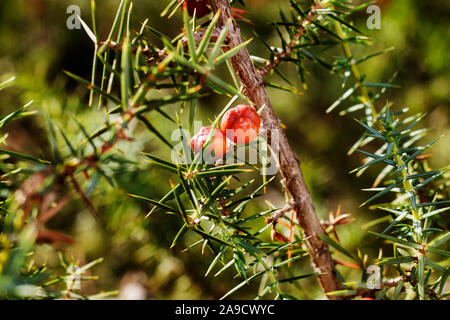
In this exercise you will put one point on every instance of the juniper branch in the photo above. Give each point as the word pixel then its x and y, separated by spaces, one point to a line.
pixel 254 89
pixel 278 58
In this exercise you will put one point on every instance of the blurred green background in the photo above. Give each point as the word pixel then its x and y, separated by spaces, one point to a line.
pixel 35 46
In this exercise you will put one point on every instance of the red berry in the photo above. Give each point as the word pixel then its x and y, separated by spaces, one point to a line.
pixel 241 124
pixel 201 7
pixel 218 143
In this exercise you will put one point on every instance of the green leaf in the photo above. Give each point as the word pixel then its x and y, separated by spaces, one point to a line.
pixel 219 43
pixel 374 55
pixel 351 109
pixel 216 259
pixel 181 208
pixel 280 87
pixel 154 104
pixel 256 216
pixel 163 166
pixel 156 203
pixel 239 262
pixel 87 136
pixel 434 265
pixel 438 251
pixel 345 292
pixel 304 276
pixel 207 36
pixel 379 194
pixel 247 246
pixel 90 265
pixel 225 267
pixel 118 20
pixel 332 15
pixel 434 212
pixel 421 149
pixel 206 235
pixel 16 114
pixel 443 281
pixel 383 85
pixel 6 83
pixel 424 174
pixel 155 131
pixel 160 160
pixel 426 181
pixel 88 31
pixel 434 203
pixel 178 236
pixel 380 295
pixel 169 196
pixel 337 246
pixel 214 195
pixel 230 53
pixel 327 31
pixel 93 87
pixel 221 172
pixel 396 240
pixel 398 290
pixel 371 130
pixel 189 34
pixel 68 143
pixel 443 238
pixel 125 75
pixel 170 6
pixel 397 220
pixel 188 188
pixel 421 277
pixel 53 142
pixel 372 162
pixel 396 260
pixel 315 58
pixel 24 156
pixel 243 283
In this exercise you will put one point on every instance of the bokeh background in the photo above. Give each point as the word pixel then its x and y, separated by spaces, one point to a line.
pixel 36 46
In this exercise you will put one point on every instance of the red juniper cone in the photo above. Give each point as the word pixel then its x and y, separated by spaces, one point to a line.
pixel 218 143
pixel 200 7
pixel 241 124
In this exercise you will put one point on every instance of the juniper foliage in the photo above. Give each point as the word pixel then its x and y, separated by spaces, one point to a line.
pixel 137 74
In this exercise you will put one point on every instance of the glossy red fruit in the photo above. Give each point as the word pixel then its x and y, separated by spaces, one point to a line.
pixel 218 143
pixel 241 124
pixel 201 7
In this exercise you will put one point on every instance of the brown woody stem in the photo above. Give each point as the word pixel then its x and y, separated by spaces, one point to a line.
pixel 254 89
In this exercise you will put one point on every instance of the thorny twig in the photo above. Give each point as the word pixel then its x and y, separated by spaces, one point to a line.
pixel 280 213
pixel 254 89
pixel 278 58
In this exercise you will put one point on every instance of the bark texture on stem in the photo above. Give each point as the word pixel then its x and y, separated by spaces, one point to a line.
pixel 254 89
